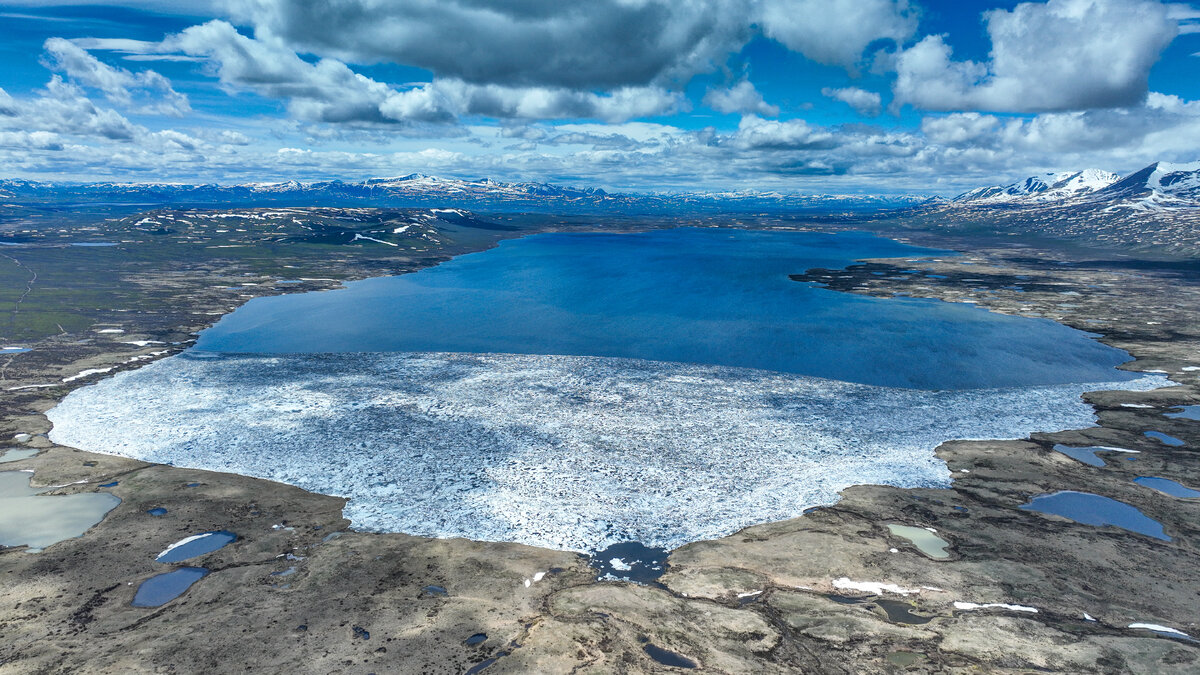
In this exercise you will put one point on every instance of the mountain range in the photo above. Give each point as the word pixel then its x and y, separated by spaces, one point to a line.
pixel 1157 187
pixel 1154 209
pixel 417 190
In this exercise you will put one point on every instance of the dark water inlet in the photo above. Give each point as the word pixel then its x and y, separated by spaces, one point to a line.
pixel 1185 412
pixel 632 561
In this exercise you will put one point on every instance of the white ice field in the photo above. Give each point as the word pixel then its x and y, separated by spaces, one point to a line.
pixel 572 453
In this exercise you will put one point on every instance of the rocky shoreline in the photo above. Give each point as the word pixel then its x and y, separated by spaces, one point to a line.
pixel 833 591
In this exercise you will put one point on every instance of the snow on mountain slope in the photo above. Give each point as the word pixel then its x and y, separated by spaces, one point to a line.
pixel 1161 185
pixel 1044 188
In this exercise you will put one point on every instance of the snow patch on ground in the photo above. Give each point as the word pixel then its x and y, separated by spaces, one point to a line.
pixel 872 587
pixel 1159 629
pixel 572 453
pixel 994 605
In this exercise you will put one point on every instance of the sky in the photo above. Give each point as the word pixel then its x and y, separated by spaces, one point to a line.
pixel 795 96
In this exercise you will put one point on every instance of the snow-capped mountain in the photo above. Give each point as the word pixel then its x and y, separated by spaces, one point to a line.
pixel 1154 209
pixel 1159 186
pixel 1043 188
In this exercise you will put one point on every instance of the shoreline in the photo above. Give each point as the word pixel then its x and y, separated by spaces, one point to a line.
pixel 757 586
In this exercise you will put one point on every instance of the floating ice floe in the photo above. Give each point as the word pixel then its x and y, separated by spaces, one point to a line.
pixel 566 452
pixel 967 606
pixel 620 565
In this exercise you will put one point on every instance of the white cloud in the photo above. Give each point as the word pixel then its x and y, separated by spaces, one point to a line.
pixel 118 84
pixel 867 103
pixel 740 98
pixel 1061 55
pixel 758 134
pixel 836 32
pixel 330 91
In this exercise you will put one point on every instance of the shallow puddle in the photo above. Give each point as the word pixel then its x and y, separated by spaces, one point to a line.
pixel 926 542
pixel 667 657
pixel 901 612
pixel 158 511
pixel 196 545
pixel 29 518
pixel 17 454
pixel 1167 487
pixel 1087 455
pixel 1090 509
pixel 1163 438
pixel 163 588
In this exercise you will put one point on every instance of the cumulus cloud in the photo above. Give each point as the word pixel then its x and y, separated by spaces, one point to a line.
pixel 867 103
pixel 601 44
pixel 1057 56
pixel 328 90
pixel 740 98
pixel 118 84
pixel 64 108
pixel 836 32
pixel 755 133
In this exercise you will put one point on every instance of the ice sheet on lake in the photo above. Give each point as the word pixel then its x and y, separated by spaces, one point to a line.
pixel 574 453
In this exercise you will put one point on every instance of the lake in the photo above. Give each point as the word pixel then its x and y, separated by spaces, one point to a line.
pixel 577 391
pixel 691 295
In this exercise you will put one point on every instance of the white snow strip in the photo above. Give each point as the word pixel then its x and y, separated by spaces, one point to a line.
pixel 1190 369
pixel 538 577
pixel 142 343
pixel 358 236
pixel 401 230
pixel 111 330
pixel 1088 617
pixel 185 540
pixel 33 386
pixel 994 605
pixel 85 373
pixel 749 594
pixel 872 587
pixel 1160 629
pixel 1135 405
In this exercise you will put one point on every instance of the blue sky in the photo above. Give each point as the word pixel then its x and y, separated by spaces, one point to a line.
pixel 927 96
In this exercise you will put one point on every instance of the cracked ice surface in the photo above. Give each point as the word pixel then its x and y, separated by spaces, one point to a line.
pixel 573 453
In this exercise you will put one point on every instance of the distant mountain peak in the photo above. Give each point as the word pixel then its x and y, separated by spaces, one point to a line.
pixel 1051 186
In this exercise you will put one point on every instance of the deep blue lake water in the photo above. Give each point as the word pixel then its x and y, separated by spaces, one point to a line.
pixel 693 295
